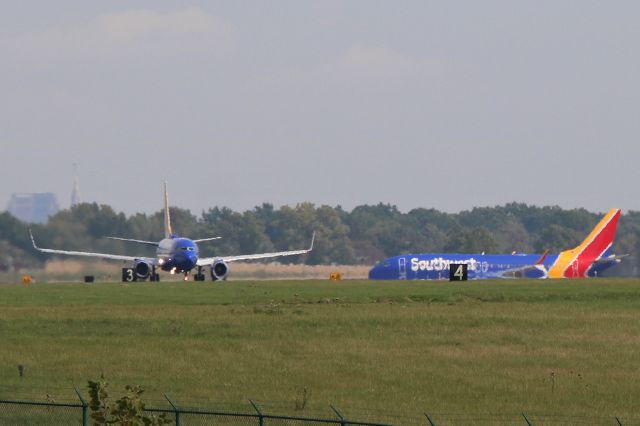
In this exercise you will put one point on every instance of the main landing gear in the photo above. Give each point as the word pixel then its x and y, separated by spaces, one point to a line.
pixel 198 276
pixel 154 275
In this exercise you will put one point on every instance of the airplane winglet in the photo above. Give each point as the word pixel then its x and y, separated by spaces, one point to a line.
pixel 33 241
pixel 543 257
pixel 313 237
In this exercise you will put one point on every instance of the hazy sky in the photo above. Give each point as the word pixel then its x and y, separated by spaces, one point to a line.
pixel 450 104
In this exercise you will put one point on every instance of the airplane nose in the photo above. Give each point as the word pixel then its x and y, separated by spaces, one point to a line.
pixel 373 273
pixel 186 261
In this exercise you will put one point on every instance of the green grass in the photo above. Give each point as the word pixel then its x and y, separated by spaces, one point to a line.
pixel 540 347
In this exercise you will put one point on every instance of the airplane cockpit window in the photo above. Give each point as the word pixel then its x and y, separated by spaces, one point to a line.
pixel 386 264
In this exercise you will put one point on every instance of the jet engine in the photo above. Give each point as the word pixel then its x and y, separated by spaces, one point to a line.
pixel 142 269
pixel 219 270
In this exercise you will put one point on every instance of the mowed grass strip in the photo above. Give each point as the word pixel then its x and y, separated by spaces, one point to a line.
pixel 552 347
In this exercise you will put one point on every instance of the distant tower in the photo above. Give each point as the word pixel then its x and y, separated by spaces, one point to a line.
pixel 75 193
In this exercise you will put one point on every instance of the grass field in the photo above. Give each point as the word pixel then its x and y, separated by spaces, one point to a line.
pixel 540 347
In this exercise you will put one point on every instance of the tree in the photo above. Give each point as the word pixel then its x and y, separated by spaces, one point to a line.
pixel 241 233
pixel 471 240
pixel 557 238
pixel 332 234
pixel 296 225
pixel 513 236
pixel 128 410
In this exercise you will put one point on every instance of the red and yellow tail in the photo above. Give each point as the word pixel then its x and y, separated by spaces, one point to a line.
pixel 575 263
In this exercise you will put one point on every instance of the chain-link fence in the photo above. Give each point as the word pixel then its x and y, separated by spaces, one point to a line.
pixel 41 413
pixel 21 412
pixel 525 419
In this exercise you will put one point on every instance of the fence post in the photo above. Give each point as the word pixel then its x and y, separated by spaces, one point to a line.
pixel 430 420
pixel 85 409
pixel 260 417
pixel 527 420
pixel 175 409
pixel 343 422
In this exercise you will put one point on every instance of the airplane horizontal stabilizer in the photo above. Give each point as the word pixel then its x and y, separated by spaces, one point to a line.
pixel 200 240
pixel 131 240
pixel 617 258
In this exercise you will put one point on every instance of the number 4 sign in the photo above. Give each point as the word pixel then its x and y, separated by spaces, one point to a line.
pixel 458 272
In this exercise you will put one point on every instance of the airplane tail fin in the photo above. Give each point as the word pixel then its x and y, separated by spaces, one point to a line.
pixel 576 263
pixel 167 217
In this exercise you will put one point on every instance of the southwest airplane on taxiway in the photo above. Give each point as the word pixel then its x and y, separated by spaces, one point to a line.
pixel 175 254
pixel 589 259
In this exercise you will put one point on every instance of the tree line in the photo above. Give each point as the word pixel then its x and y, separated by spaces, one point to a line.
pixel 364 235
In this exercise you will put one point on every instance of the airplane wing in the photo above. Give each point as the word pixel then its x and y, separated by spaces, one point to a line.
pixel 89 254
pixel 530 271
pixel 210 260
pixel 536 270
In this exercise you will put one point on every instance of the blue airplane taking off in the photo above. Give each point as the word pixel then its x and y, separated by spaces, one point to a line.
pixel 175 254
pixel 588 259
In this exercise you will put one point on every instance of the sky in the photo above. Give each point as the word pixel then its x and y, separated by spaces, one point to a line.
pixel 447 105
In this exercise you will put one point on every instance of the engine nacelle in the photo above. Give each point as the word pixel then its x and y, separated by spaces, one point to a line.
pixel 142 269
pixel 219 270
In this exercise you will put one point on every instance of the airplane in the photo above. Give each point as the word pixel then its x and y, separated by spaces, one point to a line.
pixel 174 254
pixel 588 259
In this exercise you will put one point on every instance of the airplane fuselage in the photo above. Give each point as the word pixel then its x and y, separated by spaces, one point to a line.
pixel 177 254
pixel 433 266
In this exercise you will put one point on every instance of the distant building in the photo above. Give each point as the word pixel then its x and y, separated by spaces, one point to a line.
pixel 33 208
